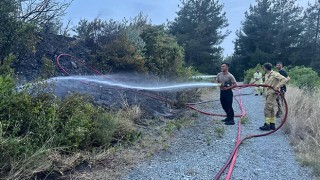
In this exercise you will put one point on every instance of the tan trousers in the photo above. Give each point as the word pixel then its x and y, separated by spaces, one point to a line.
pixel 270 104
pixel 259 89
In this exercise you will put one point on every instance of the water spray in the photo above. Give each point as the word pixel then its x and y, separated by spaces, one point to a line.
pixel 94 79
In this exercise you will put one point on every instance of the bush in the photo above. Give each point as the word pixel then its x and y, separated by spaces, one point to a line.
pixel 186 73
pixel 304 77
pixel 32 124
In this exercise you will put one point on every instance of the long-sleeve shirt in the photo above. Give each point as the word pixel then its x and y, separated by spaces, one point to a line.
pixel 275 80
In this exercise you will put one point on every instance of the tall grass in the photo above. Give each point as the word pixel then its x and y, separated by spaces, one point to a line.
pixel 303 125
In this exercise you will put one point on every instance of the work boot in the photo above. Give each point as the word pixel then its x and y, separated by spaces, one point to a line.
pixel 272 126
pixel 229 122
pixel 266 127
pixel 225 120
pixel 278 114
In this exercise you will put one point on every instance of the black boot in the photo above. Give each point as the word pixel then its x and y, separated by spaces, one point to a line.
pixel 272 126
pixel 278 114
pixel 266 127
pixel 229 122
pixel 225 120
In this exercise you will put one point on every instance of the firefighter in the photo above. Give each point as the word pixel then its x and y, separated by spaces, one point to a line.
pixel 257 76
pixel 275 80
pixel 228 82
pixel 283 89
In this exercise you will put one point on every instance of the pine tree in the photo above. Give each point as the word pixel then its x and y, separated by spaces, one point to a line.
pixel 309 53
pixel 198 29
pixel 287 30
pixel 255 42
pixel 270 32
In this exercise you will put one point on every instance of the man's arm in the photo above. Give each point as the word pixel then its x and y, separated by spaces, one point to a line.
pixel 282 81
pixel 286 75
pixel 232 86
pixel 217 80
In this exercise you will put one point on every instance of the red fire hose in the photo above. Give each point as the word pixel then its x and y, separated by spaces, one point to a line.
pixel 234 151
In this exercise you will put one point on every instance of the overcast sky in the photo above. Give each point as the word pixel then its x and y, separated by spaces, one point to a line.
pixel 159 11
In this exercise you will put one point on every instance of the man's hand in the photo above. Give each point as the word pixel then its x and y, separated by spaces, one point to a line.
pixel 226 88
pixel 288 78
pixel 277 90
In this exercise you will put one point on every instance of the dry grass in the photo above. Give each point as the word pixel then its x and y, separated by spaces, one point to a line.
pixel 303 126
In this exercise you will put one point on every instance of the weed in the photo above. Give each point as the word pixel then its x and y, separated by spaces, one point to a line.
pixel 244 120
pixel 170 126
pixel 165 146
pixel 219 130
pixel 195 114
pixel 208 137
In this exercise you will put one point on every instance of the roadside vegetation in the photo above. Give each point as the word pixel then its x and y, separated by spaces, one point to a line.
pixel 303 126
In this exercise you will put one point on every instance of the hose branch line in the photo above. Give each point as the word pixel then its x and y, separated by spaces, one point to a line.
pixel 243 113
pixel 76 59
pixel 225 166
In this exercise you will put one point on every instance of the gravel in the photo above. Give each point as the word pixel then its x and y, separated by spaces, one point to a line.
pixel 197 152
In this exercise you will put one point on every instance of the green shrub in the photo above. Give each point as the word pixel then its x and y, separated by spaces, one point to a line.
pixel 185 73
pixel 48 68
pixel 304 77
pixel 5 67
pixel 29 123
pixel 103 129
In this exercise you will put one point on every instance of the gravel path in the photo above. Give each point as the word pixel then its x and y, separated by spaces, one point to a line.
pixel 197 152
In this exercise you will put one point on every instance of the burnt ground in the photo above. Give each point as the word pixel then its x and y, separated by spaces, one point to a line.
pixel 168 104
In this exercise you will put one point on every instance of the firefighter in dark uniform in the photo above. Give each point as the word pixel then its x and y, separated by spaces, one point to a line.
pixel 283 89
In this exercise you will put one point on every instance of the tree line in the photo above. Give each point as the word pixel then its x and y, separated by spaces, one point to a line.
pixel 189 43
pixel 273 30
pixel 278 30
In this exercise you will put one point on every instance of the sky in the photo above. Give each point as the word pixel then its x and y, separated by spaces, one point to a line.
pixel 158 11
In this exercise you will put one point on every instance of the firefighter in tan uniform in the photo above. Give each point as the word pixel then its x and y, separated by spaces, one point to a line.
pixel 275 80
pixel 257 76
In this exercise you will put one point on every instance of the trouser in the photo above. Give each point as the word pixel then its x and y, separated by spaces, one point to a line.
pixel 269 107
pixel 259 89
pixel 279 103
pixel 226 99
